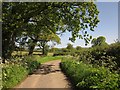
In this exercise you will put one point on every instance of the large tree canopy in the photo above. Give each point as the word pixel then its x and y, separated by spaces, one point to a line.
pixel 56 17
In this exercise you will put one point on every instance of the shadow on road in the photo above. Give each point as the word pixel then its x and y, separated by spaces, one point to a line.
pixel 46 69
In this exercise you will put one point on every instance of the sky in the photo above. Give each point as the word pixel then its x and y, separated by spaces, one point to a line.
pixel 108 26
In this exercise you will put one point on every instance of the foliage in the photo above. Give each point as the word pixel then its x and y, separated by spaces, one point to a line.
pixel 32 19
pixel 69 46
pixel 15 71
pixel 41 38
pixel 84 76
pixel 63 52
pixel 78 48
pixel 73 52
pixel 107 56
pixel 100 41
pixel 31 63
pixel 53 50
pixel 114 51
pixel 12 75
pixel 60 52
pixel 46 49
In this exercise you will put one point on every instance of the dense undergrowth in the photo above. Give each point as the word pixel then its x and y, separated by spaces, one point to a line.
pixel 16 70
pixel 108 57
pixel 84 76
pixel 98 68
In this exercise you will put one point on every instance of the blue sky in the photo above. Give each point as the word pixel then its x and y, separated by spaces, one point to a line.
pixel 108 26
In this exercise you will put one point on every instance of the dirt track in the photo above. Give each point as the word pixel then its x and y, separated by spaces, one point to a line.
pixel 48 75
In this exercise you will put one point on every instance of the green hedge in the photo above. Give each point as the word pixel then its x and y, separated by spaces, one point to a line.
pixel 15 72
pixel 64 51
pixel 86 77
pixel 103 56
pixel 12 75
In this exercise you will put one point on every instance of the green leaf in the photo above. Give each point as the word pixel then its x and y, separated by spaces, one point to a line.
pixel 90 37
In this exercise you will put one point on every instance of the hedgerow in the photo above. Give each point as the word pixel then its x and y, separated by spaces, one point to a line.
pixel 85 76
pixel 14 72
pixel 108 57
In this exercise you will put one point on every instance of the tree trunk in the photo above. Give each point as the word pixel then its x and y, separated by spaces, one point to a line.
pixel 43 47
pixel 43 50
pixel 31 48
pixel 8 45
pixel 3 61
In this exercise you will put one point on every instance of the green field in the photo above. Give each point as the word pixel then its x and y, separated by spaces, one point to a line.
pixel 48 58
pixel 25 53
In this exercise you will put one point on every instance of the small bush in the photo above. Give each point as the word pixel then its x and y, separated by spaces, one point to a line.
pixel 31 64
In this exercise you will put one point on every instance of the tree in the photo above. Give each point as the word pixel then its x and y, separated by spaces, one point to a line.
pixel 42 37
pixel 100 41
pixel 78 47
pixel 55 16
pixel 69 46
pixel 94 42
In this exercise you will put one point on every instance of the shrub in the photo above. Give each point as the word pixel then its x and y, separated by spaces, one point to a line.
pixel 114 51
pixel 61 52
pixel 31 64
pixel 12 75
pixel 64 51
pixel 15 71
pixel 103 56
pixel 84 76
